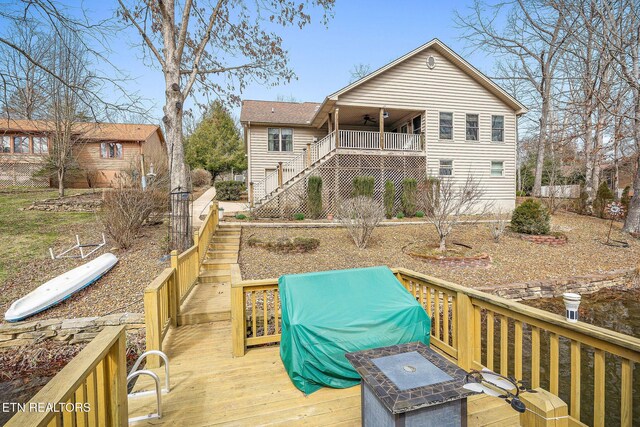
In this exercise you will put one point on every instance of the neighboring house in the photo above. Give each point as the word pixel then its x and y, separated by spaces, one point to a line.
pixel 626 173
pixel 103 150
pixel 428 113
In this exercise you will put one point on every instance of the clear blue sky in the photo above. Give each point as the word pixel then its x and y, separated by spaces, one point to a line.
pixel 372 32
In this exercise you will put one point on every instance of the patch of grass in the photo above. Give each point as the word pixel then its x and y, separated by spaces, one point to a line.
pixel 28 234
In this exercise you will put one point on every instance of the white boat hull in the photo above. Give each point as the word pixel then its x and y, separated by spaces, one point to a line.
pixel 60 288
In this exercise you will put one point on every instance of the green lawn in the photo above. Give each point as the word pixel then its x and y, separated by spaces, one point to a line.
pixel 28 234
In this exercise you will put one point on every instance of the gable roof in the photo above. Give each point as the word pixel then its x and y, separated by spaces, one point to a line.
pixel 294 113
pixel 91 131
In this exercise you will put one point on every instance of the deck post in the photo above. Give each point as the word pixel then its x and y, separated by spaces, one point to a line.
pixel 308 155
pixel 336 126
pixel 382 128
pixel 279 174
pixel 116 375
pixel 546 410
pixel 196 243
pixel 238 322
pixel 464 331
pixel 176 282
pixel 251 201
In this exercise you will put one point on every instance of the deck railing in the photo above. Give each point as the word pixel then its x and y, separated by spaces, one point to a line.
pixel 90 391
pixel 403 141
pixel 359 139
pixel 478 330
pixel 163 296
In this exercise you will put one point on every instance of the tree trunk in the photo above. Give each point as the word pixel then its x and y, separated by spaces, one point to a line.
pixel 61 183
pixel 632 222
pixel 545 92
pixel 443 244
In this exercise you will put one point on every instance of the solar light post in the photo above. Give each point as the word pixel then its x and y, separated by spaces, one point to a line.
pixel 571 303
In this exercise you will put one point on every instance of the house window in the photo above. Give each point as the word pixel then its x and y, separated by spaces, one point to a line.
pixel 417 124
pixel 111 150
pixel 280 139
pixel 21 144
pixel 40 145
pixel 5 144
pixel 446 167
pixel 446 125
pixel 404 129
pixel 497 128
pixel 472 127
pixel 497 168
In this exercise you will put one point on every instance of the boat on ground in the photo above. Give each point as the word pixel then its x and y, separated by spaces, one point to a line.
pixel 60 288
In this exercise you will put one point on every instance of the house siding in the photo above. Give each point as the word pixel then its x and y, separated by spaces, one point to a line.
pixel 260 158
pixel 412 85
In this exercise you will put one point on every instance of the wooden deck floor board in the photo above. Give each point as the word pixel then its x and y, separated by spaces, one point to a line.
pixel 209 387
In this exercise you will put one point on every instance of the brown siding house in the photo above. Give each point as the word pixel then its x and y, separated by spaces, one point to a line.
pixel 104 149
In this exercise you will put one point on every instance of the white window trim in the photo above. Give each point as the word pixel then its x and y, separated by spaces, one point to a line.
pixel 293 148
pixel 465 127
pixel 452 168
pixel 453 127
pixel 491 168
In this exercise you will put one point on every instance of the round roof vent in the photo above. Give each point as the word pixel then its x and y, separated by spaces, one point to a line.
pixel 431 62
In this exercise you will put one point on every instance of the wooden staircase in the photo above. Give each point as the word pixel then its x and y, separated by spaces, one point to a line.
pixel 210 299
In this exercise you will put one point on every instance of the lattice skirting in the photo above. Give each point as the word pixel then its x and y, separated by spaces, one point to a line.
pixel 15 174
pixel 337 182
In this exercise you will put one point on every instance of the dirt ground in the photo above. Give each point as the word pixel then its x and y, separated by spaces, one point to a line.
pixel 513 259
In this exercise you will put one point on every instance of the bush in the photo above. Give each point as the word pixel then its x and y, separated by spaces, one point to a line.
pixel 400 215
pixel 420 214
pixel 360 215
pixel 241 216
pixel 229 190
pixel 408 198
pixel 200 177
pixel 625 199
pixel 603 196
pixel 389 198
pixel 363 186
pixel 123 213
pixel 531 218
pixel 314 196
pixel 521 193
pixel 298 216
pixel 284 245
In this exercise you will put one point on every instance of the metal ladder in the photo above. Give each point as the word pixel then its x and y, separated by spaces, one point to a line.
pixel 157 391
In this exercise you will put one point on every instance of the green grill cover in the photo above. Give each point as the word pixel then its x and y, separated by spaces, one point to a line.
pixel 328 314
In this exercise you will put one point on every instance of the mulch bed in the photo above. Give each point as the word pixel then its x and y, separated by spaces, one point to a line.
pixel 513 259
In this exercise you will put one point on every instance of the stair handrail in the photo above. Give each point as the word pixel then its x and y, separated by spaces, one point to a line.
pixel 295 166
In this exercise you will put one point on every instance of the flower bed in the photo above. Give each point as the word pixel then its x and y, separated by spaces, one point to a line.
pixel 551 240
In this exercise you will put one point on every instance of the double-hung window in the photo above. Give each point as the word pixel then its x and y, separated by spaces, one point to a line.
pixel 497 168
pixel 111 150
pixel 472 127
pixel 416 124
pixel 40 145
pixel 5 144
pixel 497 128
pixel 21 144
pixel 280 139
pixel 446 125
pixel 446 168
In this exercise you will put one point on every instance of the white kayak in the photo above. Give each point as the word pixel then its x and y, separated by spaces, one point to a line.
pixel 60 288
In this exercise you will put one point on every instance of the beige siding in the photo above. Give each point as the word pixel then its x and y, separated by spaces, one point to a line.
pixel 260 158
pixel 413 85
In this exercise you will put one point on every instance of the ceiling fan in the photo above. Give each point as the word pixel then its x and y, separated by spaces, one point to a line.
pixel 368 118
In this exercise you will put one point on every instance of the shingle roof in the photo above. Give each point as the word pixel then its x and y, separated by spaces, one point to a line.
pixel 91 131
pixel 294 113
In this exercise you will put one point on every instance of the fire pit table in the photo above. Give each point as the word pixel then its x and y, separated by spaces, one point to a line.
pixel 410 385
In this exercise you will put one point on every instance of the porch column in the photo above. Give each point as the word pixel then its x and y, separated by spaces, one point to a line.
pixel 251 201
pixel 308 155
pixel 336 127
pixel 382 128
pixel 329 125
pixel 280 174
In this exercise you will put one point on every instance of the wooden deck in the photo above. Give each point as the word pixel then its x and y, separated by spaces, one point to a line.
pixel 210 387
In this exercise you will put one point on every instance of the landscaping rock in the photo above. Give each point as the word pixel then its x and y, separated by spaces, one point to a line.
pixel 79 323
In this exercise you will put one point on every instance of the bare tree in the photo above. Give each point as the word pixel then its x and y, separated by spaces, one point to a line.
pixel 360 215
pixel 448 201
pixel 359 71
pixel 219 46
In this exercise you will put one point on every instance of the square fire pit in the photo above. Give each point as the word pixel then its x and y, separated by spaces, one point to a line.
pixel 410 385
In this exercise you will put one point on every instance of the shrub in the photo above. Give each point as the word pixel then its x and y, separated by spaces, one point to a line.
pixel 298 216
pixel 241 216
pixel 229 190
pixel 625 199
pixel 360 215
pixel 285 245
pixel 363 186
pixel 531 218
pixel 123 213
pixel 200 177
pixel 420 214
pixel 603 196
pixel 314 196
pixel 498 225
pixel 389 197
pixel 400 215
pixel 521 193
pixel 408 198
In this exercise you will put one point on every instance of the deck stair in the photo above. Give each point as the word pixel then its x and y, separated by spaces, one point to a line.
pixel 210 299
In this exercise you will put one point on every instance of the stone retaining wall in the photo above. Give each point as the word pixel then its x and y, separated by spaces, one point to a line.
pixel 556 287
pixel 73 331
pixel 545 240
